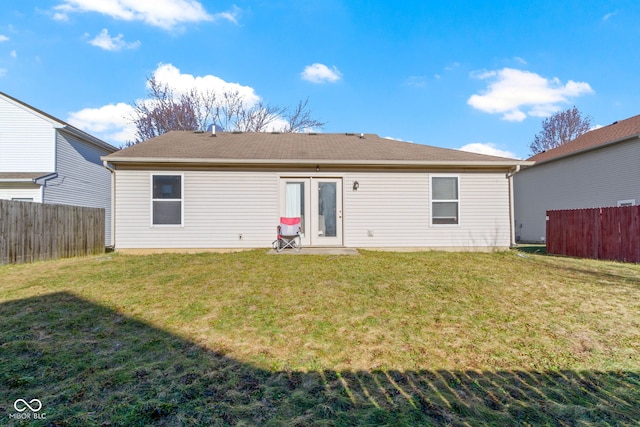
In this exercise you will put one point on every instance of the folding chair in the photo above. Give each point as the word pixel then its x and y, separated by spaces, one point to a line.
pixel 288 235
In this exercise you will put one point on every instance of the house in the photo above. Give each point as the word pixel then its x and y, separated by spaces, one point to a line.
pixel 196 190
pixel 45 160
pixel 601 168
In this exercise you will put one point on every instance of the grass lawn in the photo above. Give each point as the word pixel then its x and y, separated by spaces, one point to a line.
pixel 377 339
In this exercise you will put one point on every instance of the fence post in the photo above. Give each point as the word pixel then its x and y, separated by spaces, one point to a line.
pixel 34 231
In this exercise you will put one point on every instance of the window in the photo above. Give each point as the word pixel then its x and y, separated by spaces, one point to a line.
pixel 628 202
pixel 445 202
pixel 166 199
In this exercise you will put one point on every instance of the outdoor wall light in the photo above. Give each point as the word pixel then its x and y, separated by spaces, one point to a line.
pixel 356 185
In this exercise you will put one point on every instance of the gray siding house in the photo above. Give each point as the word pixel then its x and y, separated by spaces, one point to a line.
pixel 198 191
pixel 45 160
pixel 598 169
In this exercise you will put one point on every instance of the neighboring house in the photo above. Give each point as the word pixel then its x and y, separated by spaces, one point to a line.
pixel 598 169
pixel 199 191
pixel 45 160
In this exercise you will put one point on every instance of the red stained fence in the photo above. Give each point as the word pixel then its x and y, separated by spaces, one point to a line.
pixel 600 233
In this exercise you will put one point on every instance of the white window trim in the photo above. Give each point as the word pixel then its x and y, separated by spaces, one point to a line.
pixel 627 202
pixel 431 224
pixel 151 200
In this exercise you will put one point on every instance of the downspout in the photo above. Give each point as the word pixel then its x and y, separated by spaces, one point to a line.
pixel 43 184
pixel 113 203
pixel 512 219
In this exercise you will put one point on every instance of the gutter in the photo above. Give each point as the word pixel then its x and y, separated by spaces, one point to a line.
pixel 44 178
pixel 325 162
pixel 43 184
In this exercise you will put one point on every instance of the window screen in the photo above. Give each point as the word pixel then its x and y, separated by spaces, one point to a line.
pixel 445 203
pixel 167 200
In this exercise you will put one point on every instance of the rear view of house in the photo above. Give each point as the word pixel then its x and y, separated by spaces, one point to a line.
pixel 45 160
pixel 195 190
pixel 598 169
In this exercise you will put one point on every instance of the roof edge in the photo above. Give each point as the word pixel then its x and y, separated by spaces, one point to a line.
pixel 585 150
pixel 89 138
pixel 59 124
pixel 218 161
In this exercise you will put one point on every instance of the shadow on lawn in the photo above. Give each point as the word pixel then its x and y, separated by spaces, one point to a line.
pixel 89 365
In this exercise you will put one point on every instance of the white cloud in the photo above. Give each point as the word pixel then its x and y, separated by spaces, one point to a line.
pixel 110 122
pixel 452 67
pixel 520 60
pixel 417 81
pixel 114 44
pixel 511 91
pixel 181 83
pixel 488 148
pixel 166 14
pixel 3 72
pixel 609 15
pixel 320 73
pixel 13 54
pixel 397 139
pixel 3 38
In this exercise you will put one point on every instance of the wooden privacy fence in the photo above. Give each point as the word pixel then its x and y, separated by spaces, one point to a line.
pixel 600 233
pixel 34 231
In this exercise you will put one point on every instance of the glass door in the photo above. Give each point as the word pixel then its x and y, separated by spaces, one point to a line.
pixel 318 203
pixel 326 207
pixel 295 202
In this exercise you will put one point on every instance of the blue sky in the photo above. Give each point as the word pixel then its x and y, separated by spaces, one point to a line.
pixel 479 75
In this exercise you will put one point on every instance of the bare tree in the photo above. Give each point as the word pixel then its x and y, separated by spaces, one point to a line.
pixel 560 128
pixel 163 111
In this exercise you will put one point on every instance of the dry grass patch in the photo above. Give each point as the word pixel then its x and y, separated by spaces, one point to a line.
pixel 383 338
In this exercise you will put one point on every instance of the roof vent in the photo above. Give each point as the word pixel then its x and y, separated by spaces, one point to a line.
pixel 362 136
pixel 213 130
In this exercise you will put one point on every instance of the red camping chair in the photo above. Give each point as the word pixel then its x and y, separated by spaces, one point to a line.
pixel 288 235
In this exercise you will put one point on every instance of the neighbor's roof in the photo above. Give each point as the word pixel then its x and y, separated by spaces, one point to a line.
pixel 22 176
pixel 61 124
pixel 613 133
pixel 295 148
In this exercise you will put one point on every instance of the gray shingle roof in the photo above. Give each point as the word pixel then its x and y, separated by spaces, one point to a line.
pixel 21 176
pixel 228 147
pixel 617 131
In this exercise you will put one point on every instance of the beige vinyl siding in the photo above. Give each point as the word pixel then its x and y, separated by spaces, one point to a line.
pixel 597 178
pixel 392 210
pixel 218 208
pixel 389 210
pixel 27 141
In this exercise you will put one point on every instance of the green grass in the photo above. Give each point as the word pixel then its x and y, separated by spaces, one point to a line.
pixel 377 339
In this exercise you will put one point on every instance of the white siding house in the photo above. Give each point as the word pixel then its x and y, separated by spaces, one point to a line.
pixel 186 190
pixel 598 169
pixel 45 160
